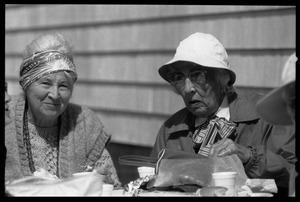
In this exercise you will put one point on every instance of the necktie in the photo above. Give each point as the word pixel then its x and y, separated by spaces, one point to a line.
pixel 211 131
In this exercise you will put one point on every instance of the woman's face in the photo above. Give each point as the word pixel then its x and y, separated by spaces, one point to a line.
pixel 49 96
pixel 201 99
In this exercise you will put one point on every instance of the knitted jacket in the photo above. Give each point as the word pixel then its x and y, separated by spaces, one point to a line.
pixel 82 141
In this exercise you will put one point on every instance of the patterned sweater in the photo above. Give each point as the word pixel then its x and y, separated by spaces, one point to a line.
pixel 82 141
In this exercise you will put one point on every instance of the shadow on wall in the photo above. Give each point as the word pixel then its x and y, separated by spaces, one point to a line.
pixel 126 173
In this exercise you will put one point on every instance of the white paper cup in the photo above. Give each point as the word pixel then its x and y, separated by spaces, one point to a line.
pixel 107 189
pixel 225 179
pixel 81 174
pixel 144 171
pixel 261 195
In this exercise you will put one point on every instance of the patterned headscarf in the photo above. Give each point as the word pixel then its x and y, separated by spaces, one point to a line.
pixel 44 63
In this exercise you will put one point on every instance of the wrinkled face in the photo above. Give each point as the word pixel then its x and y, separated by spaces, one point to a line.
pixel 49 96
pixel 199 87
pixel 7 100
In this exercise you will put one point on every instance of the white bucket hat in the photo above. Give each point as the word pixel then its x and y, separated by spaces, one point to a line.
pixel 202 49
pixel 271 107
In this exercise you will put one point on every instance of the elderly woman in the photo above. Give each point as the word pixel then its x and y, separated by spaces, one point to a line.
pixel 215 110
pixel 50 134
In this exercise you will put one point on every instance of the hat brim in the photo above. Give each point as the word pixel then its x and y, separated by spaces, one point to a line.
pixel 272 108
pixel 164 70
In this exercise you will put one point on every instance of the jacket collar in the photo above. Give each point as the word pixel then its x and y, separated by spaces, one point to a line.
pixel 241 108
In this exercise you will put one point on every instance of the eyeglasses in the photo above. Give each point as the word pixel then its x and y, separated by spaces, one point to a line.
pixel 177 79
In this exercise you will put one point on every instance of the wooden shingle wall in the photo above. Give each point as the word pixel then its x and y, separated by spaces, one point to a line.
pixel 119 48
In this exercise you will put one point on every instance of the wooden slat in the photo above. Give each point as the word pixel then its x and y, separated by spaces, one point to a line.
pixel 135 99
pixel 42 15
pixel 234 32
pixel 140 100
pixel 118 50
pixel 130 127
pixel 252 69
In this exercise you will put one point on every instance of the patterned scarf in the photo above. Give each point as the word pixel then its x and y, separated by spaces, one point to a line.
pixel 210 132
pixel 43 63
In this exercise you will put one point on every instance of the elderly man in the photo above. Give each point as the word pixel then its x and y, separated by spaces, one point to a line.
pixel 215 110
pixel 278 107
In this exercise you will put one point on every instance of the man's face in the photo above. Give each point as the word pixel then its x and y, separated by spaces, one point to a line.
pixel 201 91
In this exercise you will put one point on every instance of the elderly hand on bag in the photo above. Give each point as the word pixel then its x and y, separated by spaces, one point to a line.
pixel 226 147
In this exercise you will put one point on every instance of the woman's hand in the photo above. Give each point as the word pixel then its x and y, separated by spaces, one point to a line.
pixel 226 147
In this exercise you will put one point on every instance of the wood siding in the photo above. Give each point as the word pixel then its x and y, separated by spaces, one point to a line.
pixel 119 48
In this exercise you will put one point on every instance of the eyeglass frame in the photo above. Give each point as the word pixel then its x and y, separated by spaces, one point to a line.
pixel 180 83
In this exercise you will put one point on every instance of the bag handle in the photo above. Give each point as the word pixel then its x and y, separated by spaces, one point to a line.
pixel 137 160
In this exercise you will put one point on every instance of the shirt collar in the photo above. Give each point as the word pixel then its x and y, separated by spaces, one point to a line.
pixel 223 110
